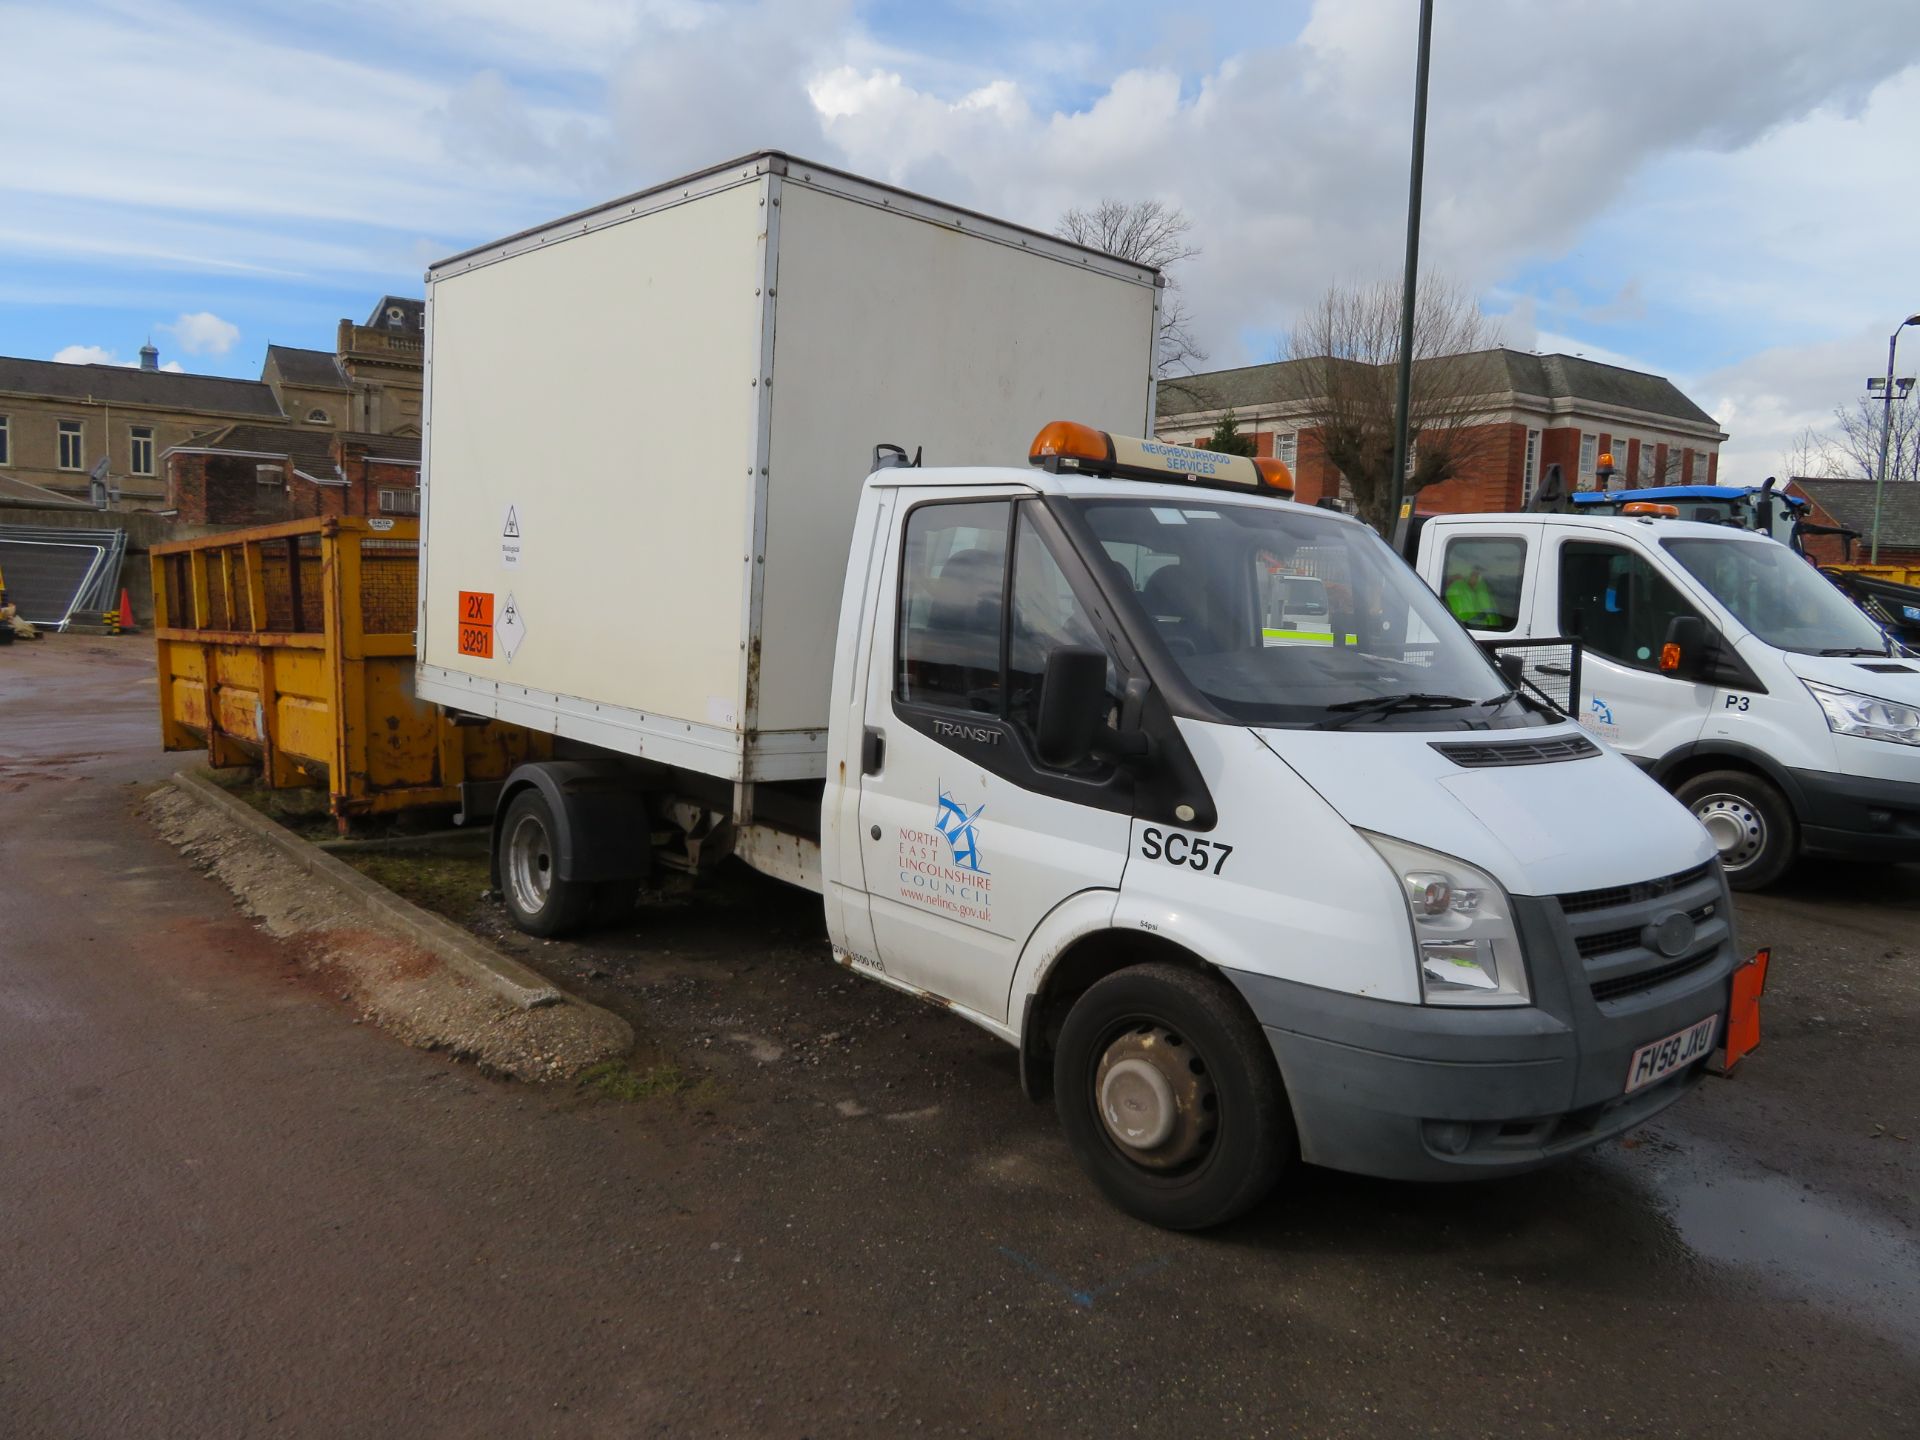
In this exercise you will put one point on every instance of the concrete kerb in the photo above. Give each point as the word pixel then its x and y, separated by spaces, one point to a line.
pixel 517 984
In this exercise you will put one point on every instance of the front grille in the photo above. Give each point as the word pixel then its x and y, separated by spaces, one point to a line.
pixel 1607 927
pixel 1623 985
pixel 1475 755
pixel 1611 942
pixel 1639 893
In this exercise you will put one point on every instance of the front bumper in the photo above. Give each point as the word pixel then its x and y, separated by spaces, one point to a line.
pixel 1422 1092
pixel 1858 817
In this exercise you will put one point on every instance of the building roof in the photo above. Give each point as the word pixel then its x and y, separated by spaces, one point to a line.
pixel 1567 377
pixel 412 317
pixel 389 447
pixel 311 369
pixel 306 448
pixel 20 492
pixel 124 385
pixel 1850 503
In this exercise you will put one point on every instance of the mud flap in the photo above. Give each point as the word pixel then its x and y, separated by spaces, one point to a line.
pixel 1741 1033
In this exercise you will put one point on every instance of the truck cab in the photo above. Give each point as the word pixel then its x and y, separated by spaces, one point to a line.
pixel 1347 896
pixel 1718 661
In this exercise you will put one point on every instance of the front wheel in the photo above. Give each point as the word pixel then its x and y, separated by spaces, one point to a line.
pixel 1749 820
pixel 1170 1097
pixel 540 902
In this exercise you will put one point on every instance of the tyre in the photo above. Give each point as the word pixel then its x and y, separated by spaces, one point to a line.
pixel 1749 820
pixel 1170 1097
pixel 540 902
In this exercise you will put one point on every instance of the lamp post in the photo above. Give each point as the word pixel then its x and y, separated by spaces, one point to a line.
pixel 1403 381
pixel 1886 434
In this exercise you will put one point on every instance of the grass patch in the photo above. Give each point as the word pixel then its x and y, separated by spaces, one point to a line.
pixel 449 885
pixel 617 1080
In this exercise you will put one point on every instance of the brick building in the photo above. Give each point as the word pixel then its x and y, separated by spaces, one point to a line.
pixel 1538 410
pixel 259 474
pixel 1849 504
pixel 58 421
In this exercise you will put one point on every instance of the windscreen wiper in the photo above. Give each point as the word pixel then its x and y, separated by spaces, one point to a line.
pixel 1390 704
pixel 1857 650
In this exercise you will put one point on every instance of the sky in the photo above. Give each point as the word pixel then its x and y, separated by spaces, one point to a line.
pixel 1720 192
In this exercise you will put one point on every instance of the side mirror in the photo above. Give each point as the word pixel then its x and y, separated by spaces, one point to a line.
pixel 1689 650
pixel 1513 666
pixel 1073 705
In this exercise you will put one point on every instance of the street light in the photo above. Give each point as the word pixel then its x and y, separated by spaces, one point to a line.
pixel 1409 284
pixel 1886 389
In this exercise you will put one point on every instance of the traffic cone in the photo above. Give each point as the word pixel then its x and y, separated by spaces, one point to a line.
pixel 126 612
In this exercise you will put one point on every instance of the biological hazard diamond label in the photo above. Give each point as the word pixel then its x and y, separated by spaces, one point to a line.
pixel 509 627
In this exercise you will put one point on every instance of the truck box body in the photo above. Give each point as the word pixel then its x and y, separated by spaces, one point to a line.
pixel 647 428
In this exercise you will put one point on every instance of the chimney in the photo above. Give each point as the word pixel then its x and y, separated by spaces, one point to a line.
pixel 149 357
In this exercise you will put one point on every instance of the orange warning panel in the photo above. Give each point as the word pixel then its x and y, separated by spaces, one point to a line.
pixel 1743 1013
pixel 475 630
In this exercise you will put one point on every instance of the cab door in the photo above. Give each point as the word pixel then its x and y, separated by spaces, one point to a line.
pixel 970 840
pixel 1613 596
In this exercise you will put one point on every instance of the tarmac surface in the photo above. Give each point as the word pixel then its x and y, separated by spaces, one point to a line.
pixel 226 1208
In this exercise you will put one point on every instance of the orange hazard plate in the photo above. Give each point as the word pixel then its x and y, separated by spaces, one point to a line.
pixel 476 624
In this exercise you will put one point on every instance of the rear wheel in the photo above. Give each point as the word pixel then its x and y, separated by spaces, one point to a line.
pixel 1750 822
pixel 1170 1097
pixel 539 900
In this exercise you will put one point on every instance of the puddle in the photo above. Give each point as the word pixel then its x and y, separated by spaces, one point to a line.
pixel 1799 1241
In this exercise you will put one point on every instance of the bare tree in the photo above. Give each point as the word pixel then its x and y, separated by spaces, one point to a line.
pixel 1347 347
pixel 1856 439
pixel 1147 233
pixel 1813 456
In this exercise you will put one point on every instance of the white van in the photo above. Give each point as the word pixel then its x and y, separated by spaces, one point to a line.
pixel 1720 662
pixel 1346 898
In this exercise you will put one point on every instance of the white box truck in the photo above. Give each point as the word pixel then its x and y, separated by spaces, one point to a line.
pixel 1048 738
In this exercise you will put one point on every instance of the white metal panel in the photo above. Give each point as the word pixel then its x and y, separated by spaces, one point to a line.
pixel 603 385
pixel 893 328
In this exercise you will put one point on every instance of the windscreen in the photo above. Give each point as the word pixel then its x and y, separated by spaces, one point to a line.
pixel 1282 615
pixel 1779 597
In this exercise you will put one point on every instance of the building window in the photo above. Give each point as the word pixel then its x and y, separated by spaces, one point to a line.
pixel 1287 448
pixel 400 500
pixel 1589 454
pixel 6 442
pixel 1530 469
pixel 316 417
pixel 140 449
pixel 73 454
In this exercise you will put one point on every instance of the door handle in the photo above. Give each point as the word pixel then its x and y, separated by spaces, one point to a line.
pixel 1553 669
pixel 873 751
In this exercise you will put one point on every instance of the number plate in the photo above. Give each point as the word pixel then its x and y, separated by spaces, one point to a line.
pixel 1663 1057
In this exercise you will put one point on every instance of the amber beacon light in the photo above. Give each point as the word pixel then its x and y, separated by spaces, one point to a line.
pixel 1066 446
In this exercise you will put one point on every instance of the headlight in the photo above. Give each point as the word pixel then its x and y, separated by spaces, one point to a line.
pixel 1849 713
pixel 1464 940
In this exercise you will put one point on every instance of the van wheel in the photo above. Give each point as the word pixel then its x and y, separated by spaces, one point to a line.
pixel 1170 1097
pixel 540 902
pixel 1749 820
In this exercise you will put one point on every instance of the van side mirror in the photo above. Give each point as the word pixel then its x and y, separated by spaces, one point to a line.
pixel 1690 649
pixel 1513 666
pixel 1073 705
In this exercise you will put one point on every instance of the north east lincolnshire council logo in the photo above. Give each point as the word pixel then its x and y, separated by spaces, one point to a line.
pixel 956 826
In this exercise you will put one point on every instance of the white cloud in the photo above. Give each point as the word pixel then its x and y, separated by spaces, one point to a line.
pixel 84 355
pixel 1765 401
pixel 203 333
pixel 100 355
